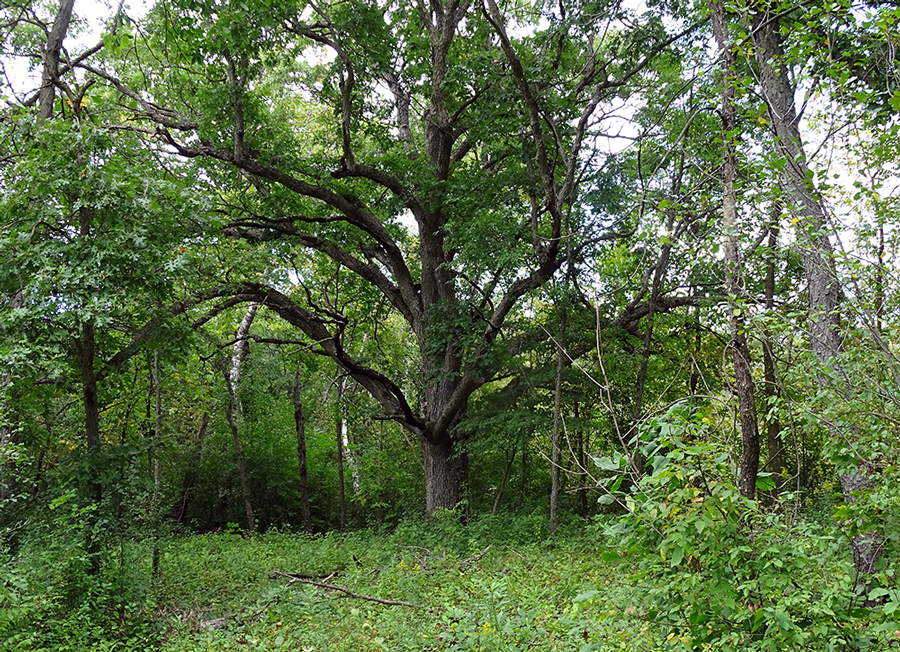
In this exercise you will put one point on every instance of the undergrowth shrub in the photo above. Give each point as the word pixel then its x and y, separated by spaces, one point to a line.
pixel 718 572
pixel 51 600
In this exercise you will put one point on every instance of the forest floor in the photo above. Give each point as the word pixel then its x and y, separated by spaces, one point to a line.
pixel 498 584
pixel 502 585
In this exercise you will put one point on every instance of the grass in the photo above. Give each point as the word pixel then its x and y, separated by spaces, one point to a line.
pixel 476 588
pixel 497 584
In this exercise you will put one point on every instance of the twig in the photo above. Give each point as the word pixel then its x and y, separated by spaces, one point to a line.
pixel 335 587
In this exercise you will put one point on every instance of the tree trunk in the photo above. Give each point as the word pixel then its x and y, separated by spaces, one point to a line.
pixel 557 419
pixel 740 352
pixel 775 465
pixel 157 428
pixel 445 474
pixel 339 438
pixel 523 473
pixel 191 475
pixel 245 485
pixel 879 280
pixel 157 440
pixel 803 203
pixel 242 345
pixel 50 57
pixel 85 347
pixel 507 470
pixel 8 427
pixel 636 466
pixel 580 447
pixel 300 423
pixel 349 455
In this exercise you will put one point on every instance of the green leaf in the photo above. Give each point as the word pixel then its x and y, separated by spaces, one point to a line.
pixel 584 597
pixel 784 621
pixel 874 594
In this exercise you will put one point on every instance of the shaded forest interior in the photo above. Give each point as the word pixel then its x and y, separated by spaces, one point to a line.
pixel 605 290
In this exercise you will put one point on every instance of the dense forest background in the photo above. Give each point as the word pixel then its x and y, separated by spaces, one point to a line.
pixel 628 270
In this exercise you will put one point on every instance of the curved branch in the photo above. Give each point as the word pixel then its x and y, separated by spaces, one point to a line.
pixel 367 271
pixel 382 388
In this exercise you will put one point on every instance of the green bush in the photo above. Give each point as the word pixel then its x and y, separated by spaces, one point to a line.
pixel 717 572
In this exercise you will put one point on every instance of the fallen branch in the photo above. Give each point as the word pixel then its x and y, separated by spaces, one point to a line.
pixel 478 555
pixel 348 592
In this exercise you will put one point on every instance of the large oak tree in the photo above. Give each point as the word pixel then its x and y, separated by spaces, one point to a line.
pixel 432 149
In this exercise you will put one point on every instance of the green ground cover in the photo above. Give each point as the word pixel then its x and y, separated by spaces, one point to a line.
pixel 493 585
pixel 496 584
pixel 479 588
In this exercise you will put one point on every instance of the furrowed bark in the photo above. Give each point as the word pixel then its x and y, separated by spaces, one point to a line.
pixel 804 205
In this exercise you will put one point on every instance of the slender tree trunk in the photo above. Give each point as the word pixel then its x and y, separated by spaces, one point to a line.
pixel 659 273
pixel 300 423
pixel 523 473
pixel 8 427
pixel 740 352
pixel 775 465
pixel 557 420
pixel 803 203
pixel 582 463
pixel 241 345
pixel 879 280
pixel 350 459
pixel 339 437
pixel 157 441
pixel 232 377
pixel 232 423
pixel 85 346
pixel 191 475
pixel 157 427
pixel 510 457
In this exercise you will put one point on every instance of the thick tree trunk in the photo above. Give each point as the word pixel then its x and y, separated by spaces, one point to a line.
pixel 445 474
pixel 802 202
pixel 300 423
pixel 740 352
pixel 50 57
